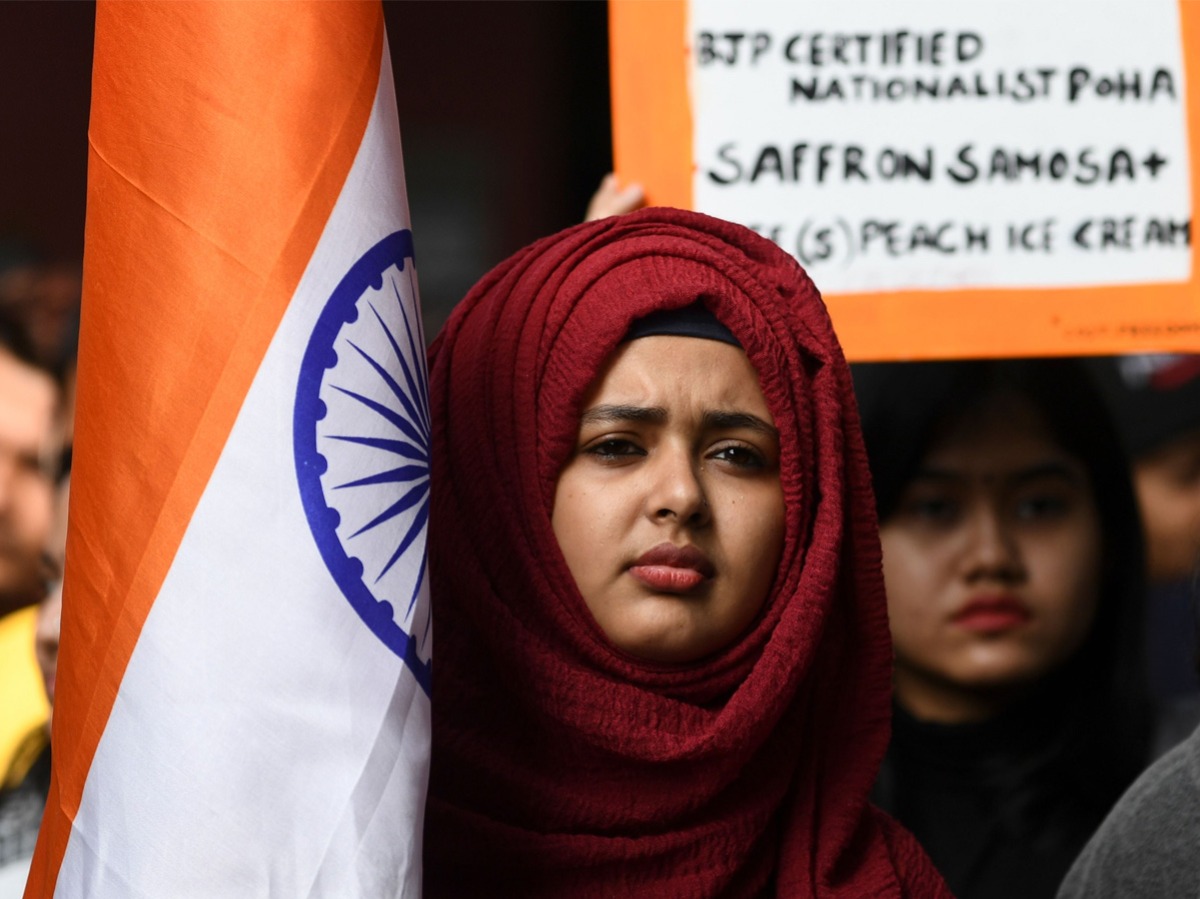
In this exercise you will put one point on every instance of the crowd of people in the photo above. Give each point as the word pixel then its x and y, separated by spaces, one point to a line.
pixel 734 617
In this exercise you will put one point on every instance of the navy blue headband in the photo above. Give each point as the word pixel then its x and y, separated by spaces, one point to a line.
pixel 690 321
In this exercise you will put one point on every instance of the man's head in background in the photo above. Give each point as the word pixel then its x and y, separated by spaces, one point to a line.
pixel 1156 402
pixel 28 399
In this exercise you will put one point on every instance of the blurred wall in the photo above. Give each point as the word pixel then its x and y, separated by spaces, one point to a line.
pixel 504 118
pixel 45 75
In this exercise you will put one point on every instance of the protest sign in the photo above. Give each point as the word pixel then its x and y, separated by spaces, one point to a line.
pixel 1002 177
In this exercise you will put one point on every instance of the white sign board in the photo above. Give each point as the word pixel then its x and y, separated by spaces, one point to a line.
pixel 959 178
pixel 948 144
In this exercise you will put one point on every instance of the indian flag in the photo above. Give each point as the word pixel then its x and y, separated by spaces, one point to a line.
pixel 243 688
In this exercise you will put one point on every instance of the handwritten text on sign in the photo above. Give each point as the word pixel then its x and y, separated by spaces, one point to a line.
pixel 948 144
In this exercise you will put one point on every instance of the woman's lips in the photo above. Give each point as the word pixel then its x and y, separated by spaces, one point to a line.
pixel 992 614
pixel 672 569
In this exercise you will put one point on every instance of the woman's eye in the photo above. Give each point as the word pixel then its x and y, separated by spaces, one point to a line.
pixel 1042 506
pixel 939 510
pixel 613 449
pixel 740 456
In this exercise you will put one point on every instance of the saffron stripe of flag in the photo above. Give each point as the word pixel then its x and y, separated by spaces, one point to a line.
pixel 242 703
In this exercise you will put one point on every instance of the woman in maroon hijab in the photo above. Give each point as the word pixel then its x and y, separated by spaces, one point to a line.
pixel 663 662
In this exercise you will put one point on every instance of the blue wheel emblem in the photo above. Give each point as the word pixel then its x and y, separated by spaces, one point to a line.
pixel 361 435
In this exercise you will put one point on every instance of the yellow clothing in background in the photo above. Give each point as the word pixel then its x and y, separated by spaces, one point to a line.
pixel 23 706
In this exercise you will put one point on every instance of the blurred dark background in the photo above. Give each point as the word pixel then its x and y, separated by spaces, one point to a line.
pixel 503 108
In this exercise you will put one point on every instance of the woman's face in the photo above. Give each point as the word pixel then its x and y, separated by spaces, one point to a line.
pixel 1168 490
pixel 992 564
pixel 670 513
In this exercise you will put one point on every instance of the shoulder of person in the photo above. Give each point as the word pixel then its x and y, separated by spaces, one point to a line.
pixel 1146 845
pixel 1174 721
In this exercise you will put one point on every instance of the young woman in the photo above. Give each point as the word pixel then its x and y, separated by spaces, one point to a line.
pixel 662 662
pixel 1013 565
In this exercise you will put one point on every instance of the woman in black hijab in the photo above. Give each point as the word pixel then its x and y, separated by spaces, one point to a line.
pixel 1013 564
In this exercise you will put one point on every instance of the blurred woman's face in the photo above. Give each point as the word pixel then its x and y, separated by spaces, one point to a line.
pixel 670 512
pixel 1167 481
pixel 992 564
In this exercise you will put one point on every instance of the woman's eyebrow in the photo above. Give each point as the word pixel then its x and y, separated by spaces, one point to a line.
pixel 933 473
pixel 1050 469
pixel 714 420
pixel 609 414
pixel 733 421
pixel 1059 470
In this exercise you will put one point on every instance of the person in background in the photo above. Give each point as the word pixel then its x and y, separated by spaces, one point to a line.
pixel 1013 564
pixel 26 780
pixel 1146 847
pixel 1156 403
pixel 28 400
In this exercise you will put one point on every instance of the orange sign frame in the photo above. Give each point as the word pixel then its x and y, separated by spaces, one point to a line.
pixel 652 137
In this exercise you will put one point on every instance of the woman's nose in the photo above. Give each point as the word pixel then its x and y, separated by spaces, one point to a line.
pixel 992 550
pixel 677 490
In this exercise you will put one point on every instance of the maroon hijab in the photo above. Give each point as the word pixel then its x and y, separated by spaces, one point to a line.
pixel 563 767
